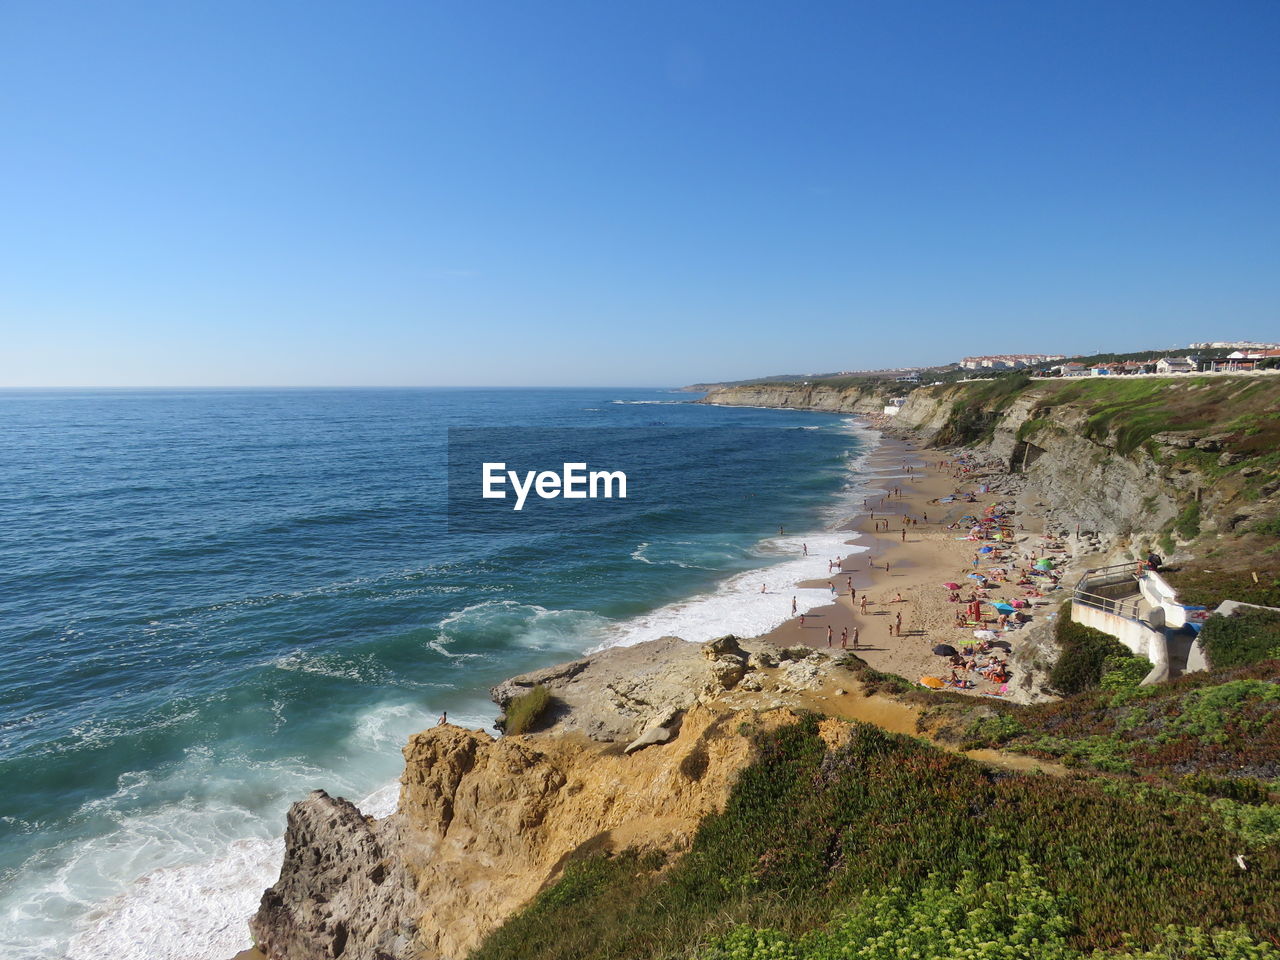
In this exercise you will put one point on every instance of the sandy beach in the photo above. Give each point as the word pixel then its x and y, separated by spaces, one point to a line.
pixel 903 576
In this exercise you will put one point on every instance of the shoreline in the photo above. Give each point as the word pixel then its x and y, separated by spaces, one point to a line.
pixel 918 563
pixel 931 554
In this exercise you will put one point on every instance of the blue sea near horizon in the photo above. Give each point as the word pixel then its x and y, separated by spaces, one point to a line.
pixel 214 601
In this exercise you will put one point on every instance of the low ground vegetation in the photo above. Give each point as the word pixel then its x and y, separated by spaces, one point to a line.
pixel 1245 637
pixel 522 713
pixel 815 843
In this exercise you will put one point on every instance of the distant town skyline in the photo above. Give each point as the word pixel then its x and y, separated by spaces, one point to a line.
pixel 586 194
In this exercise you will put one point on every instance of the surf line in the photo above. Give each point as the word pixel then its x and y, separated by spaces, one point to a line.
pixel 574 482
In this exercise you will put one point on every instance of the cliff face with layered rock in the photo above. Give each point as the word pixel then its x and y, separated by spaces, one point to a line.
pixel 829 397
pixel 1121 458
pixel 645 744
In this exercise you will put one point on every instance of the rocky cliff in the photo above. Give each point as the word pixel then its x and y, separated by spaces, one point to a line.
pixel 646 743
pixel 830 397
pixel 1121 459
pixel 645 740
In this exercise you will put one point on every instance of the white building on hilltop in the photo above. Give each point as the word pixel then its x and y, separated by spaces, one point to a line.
pixel 1235 345
pixel 1008 361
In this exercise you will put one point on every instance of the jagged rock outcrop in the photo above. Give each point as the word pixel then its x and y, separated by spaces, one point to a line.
pixel 618 696
pixel 343 891
pixel 483 824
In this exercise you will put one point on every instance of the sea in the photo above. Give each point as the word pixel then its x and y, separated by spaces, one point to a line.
pixel 215 601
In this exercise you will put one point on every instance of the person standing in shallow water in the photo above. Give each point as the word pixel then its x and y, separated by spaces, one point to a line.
pixel 793 606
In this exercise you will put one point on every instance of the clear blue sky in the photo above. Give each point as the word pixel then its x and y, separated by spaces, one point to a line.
pixel 232 193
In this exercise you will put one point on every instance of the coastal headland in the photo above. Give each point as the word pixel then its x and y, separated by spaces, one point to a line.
pixel 657 768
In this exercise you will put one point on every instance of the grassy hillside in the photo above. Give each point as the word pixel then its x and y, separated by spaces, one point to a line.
pixel 815 838
pixel 1216 440
pixel 888 847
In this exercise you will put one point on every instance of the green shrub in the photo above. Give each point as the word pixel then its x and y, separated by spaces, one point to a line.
pixel 1239 789
pixel 1016 918
pixel 1013 918
pixel 1124 673
pixel 1269 527
pixel 992 731
pixel 1084 654
pixel 819 838
pixel 1258 583
pixel 1187 523
pixel 1245 637
pixel 523 712
pixel 1258 824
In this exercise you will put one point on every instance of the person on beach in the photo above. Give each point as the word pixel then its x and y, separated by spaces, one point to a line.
pixel 886 568
pixel 852 595
pixel 904 535
pixel 802 619
pixel 855 638
pixel 793 606
pixel 828 634
pixel 863 608
pixel 762 589
pixel 897 623
pixel 844 638
pixel 444 718
pixel 805 548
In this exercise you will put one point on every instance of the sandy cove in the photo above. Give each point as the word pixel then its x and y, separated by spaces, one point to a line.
pixel 929 556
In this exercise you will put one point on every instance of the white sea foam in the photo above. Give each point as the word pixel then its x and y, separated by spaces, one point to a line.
pixel 181 880
pixel 737 605
pixel 499 623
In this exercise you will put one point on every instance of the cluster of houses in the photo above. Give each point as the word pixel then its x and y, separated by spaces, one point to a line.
pixel 1235 345
pixel 1009 361
pixel 1238 361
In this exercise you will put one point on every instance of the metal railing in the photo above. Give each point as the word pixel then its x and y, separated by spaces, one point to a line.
pixel 1128 603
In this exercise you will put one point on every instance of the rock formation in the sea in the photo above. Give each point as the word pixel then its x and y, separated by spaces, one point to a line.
pixel 343 890
pixel 483 823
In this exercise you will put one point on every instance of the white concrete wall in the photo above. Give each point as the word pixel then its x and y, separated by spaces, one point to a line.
pixel 1159 594
pixel 1141 640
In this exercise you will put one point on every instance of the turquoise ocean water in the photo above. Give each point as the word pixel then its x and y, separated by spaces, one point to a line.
pixel 212 602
